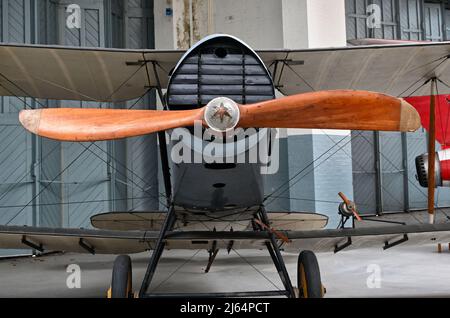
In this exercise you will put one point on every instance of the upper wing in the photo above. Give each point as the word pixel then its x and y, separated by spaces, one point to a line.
pixel 398 70
pixel 95 74
pixel 91 74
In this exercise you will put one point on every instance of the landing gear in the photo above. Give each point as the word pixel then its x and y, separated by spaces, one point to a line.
pixel 121 283
pixel 308 276
pixel 271 244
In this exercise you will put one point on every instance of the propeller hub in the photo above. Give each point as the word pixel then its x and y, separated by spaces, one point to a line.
pixel 222 114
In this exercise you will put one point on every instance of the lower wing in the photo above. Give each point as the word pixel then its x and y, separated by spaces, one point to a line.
pixel 118 242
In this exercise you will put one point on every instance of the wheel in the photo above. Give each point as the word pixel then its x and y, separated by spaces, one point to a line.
pixel 308 276
pixel 121 283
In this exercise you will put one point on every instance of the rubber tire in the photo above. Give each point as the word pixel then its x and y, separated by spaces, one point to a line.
pixel 121 283
pixel 311 274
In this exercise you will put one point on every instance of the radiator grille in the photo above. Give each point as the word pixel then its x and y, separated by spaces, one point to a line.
pixel 219 67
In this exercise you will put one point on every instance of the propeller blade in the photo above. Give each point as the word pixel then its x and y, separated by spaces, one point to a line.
pixel 90 124
pixel 340 109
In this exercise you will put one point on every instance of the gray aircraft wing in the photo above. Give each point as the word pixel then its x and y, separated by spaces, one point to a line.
pixel 398 70
pixel 89 74
pixel 118 242
pixel 94 74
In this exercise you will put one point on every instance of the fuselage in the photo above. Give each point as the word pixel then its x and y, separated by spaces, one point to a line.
pixel 205 175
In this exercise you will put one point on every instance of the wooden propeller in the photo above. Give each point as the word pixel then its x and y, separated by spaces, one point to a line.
pixel 341 109
pixel 91 124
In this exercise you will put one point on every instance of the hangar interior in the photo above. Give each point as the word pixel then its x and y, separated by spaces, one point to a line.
pixel 53 184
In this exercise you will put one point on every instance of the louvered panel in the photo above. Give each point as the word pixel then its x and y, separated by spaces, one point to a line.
pixel 15 175
pixel 16 21
pixel 410 19
pixel 364 174
pixel 356 19
pixel 16 182
pixel 52 32
pixel 389 22
pixel 142 153
pixel 92 27
pixel 417 145
pixel 392 171
pixel 447 24
pixel 135 27
pixel 13 154
pixel 433 22
pixel 43 18
pixel 72 37
pixel 51 197
pixel 135 3
pixel 14 30
pixel 85 182
pixel 116 31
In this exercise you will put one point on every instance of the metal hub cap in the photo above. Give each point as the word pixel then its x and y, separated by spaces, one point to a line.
pixel 222 114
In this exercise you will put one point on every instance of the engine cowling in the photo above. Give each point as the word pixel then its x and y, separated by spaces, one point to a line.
pixel 442 169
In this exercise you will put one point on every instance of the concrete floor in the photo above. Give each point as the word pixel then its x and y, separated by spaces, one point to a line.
pixel 404 272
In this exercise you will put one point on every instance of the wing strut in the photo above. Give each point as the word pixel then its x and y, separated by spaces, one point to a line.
pixel 432 152
pixel 281 236
pixel 162 140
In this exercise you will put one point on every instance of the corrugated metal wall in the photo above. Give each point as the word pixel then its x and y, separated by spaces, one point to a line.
pixel 47 183
pixel 17 148
pixel 357 19
pixel 142 153
pixel 17 184
pixel 383 163
pixel 84 179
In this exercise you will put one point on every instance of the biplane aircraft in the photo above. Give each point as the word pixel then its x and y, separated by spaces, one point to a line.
pixel 221 83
